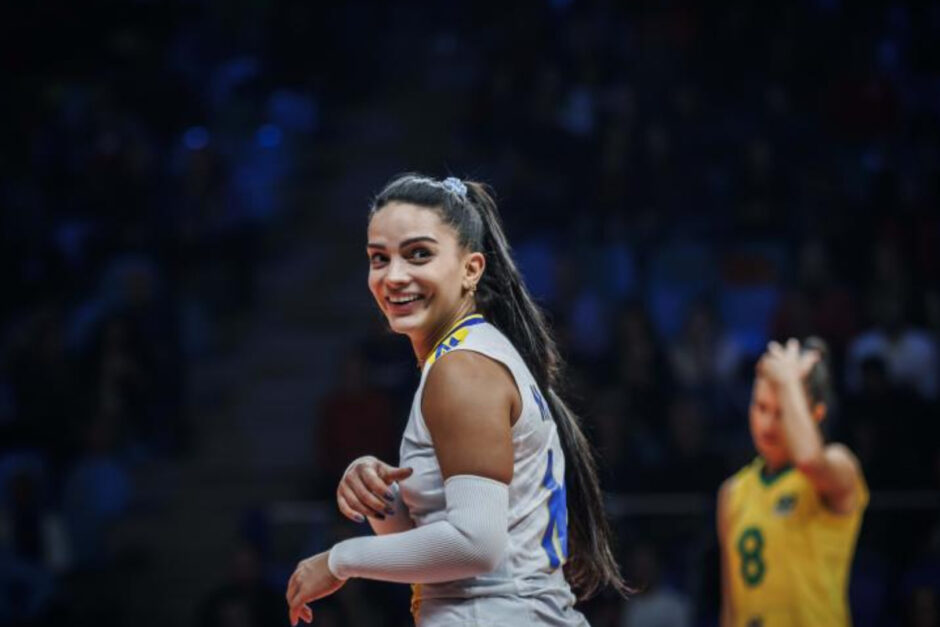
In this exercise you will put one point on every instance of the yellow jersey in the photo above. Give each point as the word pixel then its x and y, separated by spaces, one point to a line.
pixel 787 554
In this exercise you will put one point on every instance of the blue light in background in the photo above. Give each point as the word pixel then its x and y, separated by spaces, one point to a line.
pixel 293 111
pixel 269 136
pixel 196 137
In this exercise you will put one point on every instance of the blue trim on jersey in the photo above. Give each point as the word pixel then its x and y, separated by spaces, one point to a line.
pixel 557 518
pixel 469 321
pixel 540 402
pixel 450 341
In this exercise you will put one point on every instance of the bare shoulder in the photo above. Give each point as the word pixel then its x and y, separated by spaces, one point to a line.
pixel 466 377
pixel 467 406
pixel 843 492
pixel 841 456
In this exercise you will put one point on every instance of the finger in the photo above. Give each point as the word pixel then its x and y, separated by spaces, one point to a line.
pixel 774 348
pixel 376 485
pixel 293 617
pixel 366 497
pixel 808 360
pixel 793 346
pixel 306 613
pixel 297 600
pixel 355 503
pixel 347 511
pixel 291 587
pixel 391 473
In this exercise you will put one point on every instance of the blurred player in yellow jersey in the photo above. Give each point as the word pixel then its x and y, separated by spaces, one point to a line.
pixel 788 521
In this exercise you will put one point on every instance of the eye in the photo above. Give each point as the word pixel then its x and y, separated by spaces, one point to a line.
pixel 377 259
pixel 420 254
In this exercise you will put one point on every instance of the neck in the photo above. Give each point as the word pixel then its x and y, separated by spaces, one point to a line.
pixel 424 345
pixel 775 466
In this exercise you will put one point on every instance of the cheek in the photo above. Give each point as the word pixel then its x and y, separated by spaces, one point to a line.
pixel 374 280
pixel 438 278
pixel 450 290
pixel 754 420
pixel 759 421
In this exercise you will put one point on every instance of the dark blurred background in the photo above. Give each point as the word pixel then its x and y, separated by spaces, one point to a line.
pixel 190 356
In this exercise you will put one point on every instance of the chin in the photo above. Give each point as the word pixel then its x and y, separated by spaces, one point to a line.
pixel 770 455
pixel 406 325
pixel 775 458
pixel 399 325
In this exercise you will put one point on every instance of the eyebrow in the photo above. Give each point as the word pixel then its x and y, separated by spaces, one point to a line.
pixel 404 243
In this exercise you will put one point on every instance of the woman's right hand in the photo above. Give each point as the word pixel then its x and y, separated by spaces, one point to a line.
pixel 366 489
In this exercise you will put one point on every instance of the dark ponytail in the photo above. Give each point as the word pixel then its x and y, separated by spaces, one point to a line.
pixel 503 298
pixel 818 380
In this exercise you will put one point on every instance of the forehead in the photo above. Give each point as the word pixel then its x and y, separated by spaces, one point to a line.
pixel 397 221
pixel 764 391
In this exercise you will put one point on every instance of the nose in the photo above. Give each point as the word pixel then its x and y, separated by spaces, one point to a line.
pixel 397 274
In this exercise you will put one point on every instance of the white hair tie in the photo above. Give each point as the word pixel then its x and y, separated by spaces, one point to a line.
pixel 456 186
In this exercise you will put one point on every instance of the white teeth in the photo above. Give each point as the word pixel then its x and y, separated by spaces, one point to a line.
pixel 401 300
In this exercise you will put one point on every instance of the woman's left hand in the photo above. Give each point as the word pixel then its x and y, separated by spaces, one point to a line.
pixel 311 580
pixel 785 364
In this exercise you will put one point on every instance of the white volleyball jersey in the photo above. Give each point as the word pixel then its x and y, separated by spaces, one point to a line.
pixel 531 570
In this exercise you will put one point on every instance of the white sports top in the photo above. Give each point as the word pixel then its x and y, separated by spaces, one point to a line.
pixel 538 514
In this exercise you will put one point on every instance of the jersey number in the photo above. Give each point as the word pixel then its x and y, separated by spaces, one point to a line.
pixel 555 539
pixel 751 549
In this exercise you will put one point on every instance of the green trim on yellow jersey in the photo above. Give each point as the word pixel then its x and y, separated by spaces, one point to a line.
pixel 769 477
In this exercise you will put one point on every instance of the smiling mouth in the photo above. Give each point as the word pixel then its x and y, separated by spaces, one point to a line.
pixel 404 299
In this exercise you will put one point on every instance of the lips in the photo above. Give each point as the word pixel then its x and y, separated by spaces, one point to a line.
pixel 768 440
pixel 400 304
pixel 404 299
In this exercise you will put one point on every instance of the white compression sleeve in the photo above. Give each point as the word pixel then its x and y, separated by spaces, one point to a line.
pixel 470 541
pixel 393 523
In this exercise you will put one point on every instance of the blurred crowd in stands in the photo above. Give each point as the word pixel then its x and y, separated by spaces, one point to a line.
pixel 681 185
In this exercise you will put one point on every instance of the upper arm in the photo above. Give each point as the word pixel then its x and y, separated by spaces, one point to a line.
pixel 836 478
pixel 467 406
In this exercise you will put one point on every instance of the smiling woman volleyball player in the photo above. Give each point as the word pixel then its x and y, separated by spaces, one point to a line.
pixel 476 513
pixel 788 522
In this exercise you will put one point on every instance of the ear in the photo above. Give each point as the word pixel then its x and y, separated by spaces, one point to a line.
pixel 474 265
pixel 819 412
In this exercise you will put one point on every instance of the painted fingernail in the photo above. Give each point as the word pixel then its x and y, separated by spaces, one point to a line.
pixel 360 518
pixel 389 511
pixel 389 496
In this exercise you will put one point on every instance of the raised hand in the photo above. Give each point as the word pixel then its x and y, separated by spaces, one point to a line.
pixel 783 364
